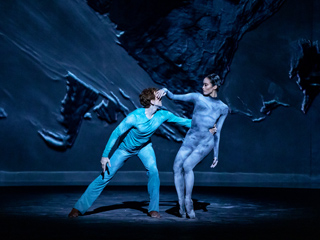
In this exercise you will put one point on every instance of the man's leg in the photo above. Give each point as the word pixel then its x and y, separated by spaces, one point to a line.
pixel 148 159
pixel 95 188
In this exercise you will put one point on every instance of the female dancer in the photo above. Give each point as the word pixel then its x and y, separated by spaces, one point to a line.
pixel 208 111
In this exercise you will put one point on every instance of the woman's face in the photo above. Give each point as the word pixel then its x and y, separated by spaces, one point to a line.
pixel 207 87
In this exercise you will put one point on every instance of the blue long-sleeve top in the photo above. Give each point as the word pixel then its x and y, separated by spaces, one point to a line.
pixel 140 129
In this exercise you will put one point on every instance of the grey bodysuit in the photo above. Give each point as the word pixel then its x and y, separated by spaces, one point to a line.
pixel 197 144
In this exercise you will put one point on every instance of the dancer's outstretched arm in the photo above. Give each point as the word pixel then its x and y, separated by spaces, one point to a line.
pixel 186 122
pixel 189 97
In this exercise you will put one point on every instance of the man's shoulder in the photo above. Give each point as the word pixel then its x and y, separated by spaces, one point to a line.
pixel 137 111
pixel 164 113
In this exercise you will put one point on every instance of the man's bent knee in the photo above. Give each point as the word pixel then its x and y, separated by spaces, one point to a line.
pixel 153 172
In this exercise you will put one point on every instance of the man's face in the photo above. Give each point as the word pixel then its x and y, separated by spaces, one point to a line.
pixel 157 101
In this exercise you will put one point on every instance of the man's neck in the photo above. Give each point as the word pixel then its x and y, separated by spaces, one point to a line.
pixel 150 111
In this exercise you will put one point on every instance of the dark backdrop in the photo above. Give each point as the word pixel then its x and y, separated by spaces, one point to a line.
pixel 59 56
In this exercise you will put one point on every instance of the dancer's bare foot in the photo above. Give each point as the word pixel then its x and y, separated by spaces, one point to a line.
pixel 154 214
pixel 74 213
pixel 191 214
pixel 182 208
pixel 182 213
pixel 189 207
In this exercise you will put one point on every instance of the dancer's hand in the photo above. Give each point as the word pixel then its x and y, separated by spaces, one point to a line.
pixel 213 130
pixel 104 161
pixel 161 93
pixel 214 163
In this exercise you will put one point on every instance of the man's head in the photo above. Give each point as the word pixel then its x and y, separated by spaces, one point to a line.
pixel 147 98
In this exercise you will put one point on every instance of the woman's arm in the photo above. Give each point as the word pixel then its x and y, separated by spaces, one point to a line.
pixel 216 136
pixel 189 97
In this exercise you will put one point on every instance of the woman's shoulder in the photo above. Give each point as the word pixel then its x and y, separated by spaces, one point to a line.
pixel 196 95
pixel 223 104
pixel 218 102
pixel 224 107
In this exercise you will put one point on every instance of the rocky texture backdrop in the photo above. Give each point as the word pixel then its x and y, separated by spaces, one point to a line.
pixel 72 70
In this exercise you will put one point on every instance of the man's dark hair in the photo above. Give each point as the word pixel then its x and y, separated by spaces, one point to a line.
pixel 146 96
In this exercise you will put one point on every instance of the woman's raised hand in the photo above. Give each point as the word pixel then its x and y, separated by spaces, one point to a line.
pixel 161 93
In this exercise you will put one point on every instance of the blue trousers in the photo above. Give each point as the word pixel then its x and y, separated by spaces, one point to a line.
pixel 147 157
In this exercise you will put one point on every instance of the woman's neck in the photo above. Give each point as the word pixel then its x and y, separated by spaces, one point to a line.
pixel 214 94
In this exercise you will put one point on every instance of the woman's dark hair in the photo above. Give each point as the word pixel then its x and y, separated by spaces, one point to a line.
pixel 146 96
pixel 215 79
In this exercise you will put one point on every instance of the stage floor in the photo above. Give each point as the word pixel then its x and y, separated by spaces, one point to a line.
pixel 121 213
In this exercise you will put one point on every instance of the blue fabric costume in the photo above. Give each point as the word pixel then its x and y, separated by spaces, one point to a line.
pixel 137 142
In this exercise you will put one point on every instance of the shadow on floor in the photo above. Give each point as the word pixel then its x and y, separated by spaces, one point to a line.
pixel 140 206
pixel 143 205
pixel 196 205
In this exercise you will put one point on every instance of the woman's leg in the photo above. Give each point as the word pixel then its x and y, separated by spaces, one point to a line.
pixel 179 183
pixel 95 188
pixel 148 159
pixel 194 158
